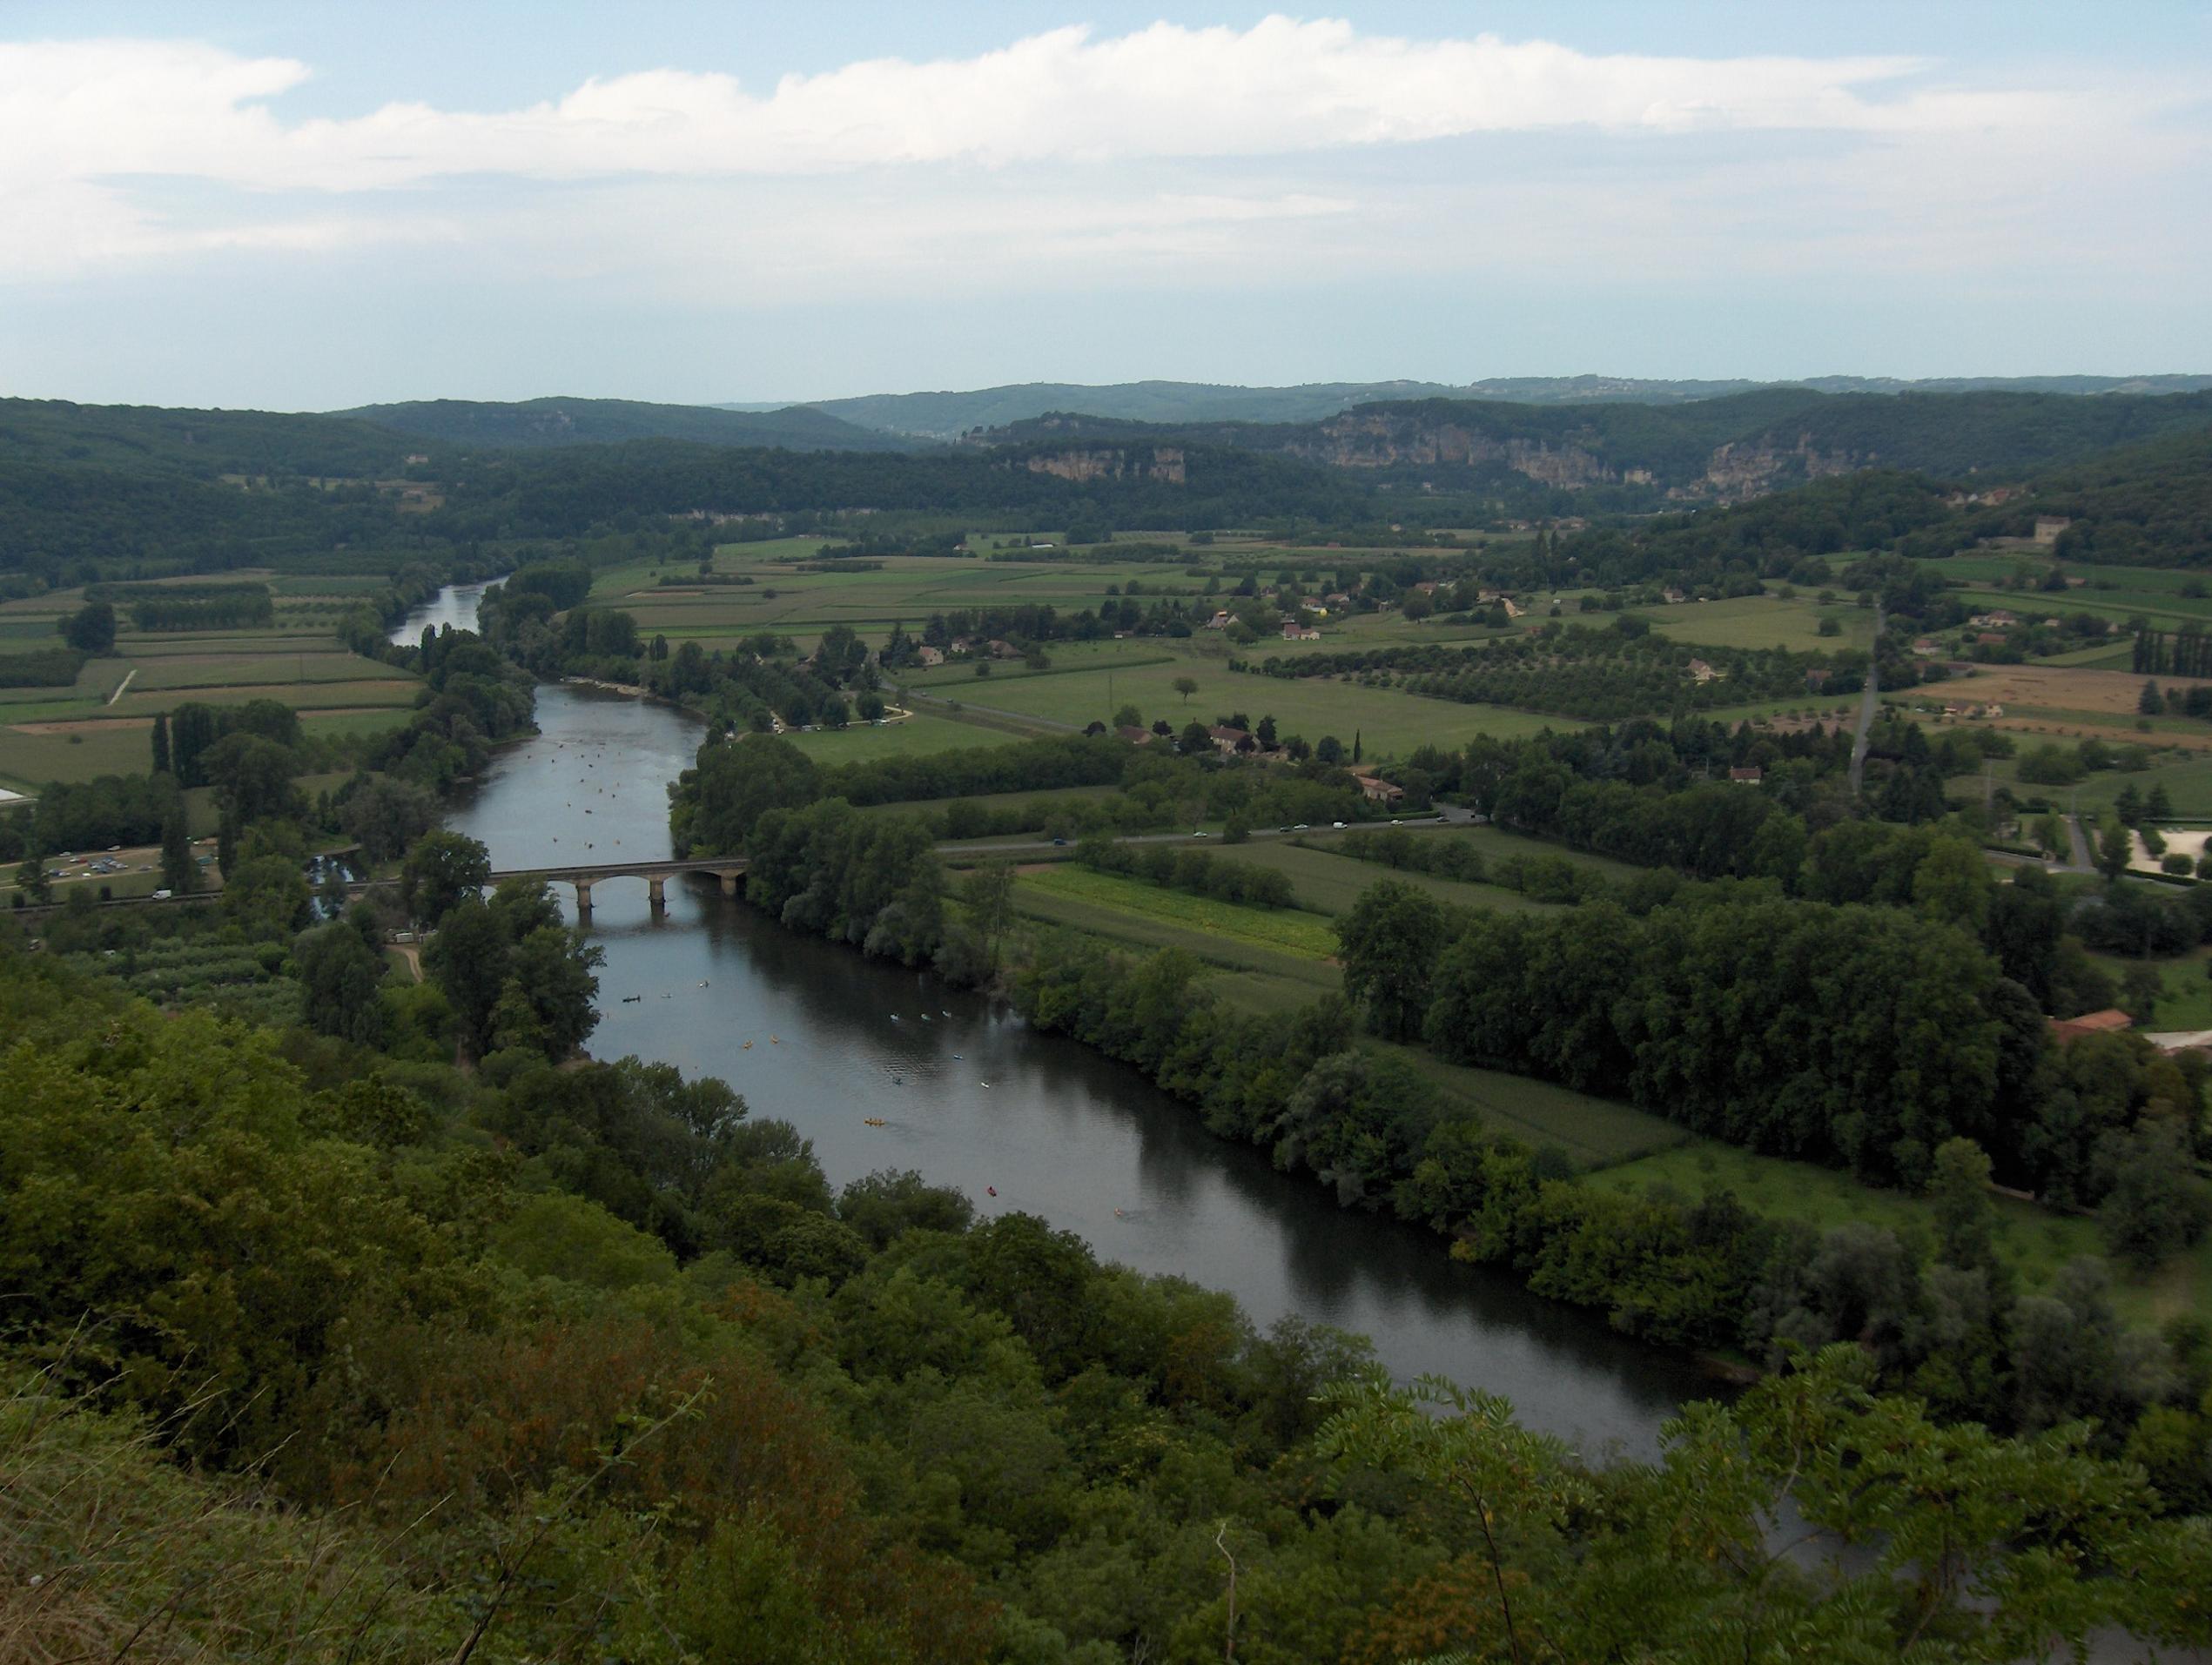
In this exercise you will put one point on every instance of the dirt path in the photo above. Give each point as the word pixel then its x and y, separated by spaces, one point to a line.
pixel 130 676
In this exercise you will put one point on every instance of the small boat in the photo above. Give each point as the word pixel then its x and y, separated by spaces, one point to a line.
pixel 772 1041
pixel 871 1121
pixel 982 1083
pixel 632 1000
pixel 925 1017
pixel 702 982
pixel 894 1018
pixel 992 1190
pixel 747 1047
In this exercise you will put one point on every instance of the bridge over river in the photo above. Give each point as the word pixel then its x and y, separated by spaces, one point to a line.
pixel 581 876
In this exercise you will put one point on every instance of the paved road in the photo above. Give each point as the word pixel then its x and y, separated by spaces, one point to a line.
pixel 2083 856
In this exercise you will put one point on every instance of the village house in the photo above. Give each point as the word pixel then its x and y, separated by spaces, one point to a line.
pixel 1701 672
pixel 1231 742
pixel 1927 647
pixel 1816 678
pixel 1005 650
pixel 1135 736
pixel 2108 1021
pixel 1293 631
pixel 929 656
pixel 1219 621
pixel 2047 528
pixel 1749 776
pixel 1674 598
pixel 1377 790
pixel 1990 639
pixel 1997 620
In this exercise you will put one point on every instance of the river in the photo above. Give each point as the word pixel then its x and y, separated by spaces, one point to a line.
pixel 825 1039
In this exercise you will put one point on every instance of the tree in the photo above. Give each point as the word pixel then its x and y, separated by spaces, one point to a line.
pixel 90 629
pixel 1330 750
pixel 339 972
pixel 161 743
pixel 556 973
pixel 441 870
pixel 1128 717
pixel 2142 987
pixel 2156 1206
pixel 1185 685
pixel 989 894
pixel 252 777
pixel 1966 1219
pixel 180 873
pixel 385 815
pixel 266 897
pixel 31 882
pixel 1391 939
pixel 2114 849
pixel 2150 702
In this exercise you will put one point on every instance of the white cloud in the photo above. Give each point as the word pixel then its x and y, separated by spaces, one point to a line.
pixel 95 109
pixel 1210 153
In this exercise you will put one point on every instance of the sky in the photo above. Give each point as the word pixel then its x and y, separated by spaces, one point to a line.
pixel 319 205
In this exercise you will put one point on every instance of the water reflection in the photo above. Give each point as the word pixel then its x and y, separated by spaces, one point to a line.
pixel 829 1040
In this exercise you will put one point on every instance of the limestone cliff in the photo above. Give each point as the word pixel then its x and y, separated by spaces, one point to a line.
pixel 1146 462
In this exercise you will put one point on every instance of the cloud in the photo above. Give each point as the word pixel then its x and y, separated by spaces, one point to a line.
pixel 1201 151
pixel 103 109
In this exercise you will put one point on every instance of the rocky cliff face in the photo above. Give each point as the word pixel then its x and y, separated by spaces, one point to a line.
pixel 1750 468
pixel 1144 462
pixel 1364 440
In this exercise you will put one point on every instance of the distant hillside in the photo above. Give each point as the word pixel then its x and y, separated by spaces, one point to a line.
pixel 143 440
pixel 948 415
pixel 534 424
pixel 1629 455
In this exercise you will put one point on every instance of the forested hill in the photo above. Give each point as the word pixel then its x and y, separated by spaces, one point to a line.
pixel 203 445
pixel 554 493
pixel 536 423
pixel 1632 456
pixel 946 415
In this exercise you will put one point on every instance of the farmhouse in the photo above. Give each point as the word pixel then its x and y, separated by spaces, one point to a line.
pixel 1135 736
pixel 1750 776
pixel 1377 790
pixel 1229 741
pixel 2108 1021
pixel 1701 672
pixel 1293 631
pixel 1997 620
pixel 930 656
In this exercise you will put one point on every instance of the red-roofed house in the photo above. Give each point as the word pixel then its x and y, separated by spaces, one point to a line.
pixel 2110 1021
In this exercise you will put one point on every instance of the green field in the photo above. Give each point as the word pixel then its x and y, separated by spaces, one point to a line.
pixel 1388 723
pixel 912 737
pixel 1596 1132
pixel 2187 778
pixel 1281 931
pixel 2036 1239
pixel 1769 620
pixel 1330 883
pixel 99 726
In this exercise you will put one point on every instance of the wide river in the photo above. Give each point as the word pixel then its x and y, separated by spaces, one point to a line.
pixel 827 1039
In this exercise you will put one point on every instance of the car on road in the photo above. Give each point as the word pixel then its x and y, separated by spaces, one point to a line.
pixel 1303 828
pixel 1338 825
pixel 1059 843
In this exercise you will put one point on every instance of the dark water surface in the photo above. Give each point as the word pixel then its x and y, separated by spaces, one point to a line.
pixel 826 1038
